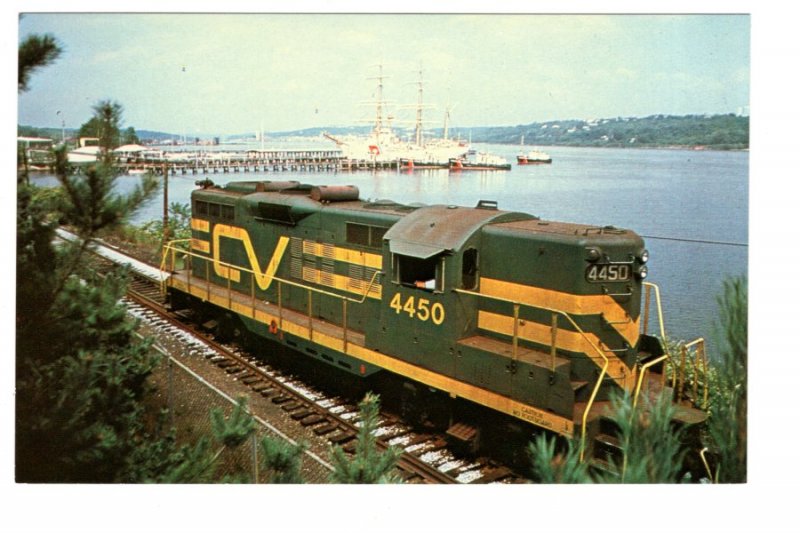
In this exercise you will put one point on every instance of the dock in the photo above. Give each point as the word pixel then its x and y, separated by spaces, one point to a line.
pixel 253 161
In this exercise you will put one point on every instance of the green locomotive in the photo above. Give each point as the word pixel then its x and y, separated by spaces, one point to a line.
pixel 535 319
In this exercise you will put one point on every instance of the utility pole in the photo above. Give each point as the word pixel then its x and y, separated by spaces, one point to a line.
pixel 166 205
pixel 63 136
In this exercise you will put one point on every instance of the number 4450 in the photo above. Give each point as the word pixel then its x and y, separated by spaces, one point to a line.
pixel 418 307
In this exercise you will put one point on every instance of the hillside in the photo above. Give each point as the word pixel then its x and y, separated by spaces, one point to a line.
pixel 720 132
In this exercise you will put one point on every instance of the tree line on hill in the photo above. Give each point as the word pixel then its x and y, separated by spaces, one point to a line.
pixel 720 132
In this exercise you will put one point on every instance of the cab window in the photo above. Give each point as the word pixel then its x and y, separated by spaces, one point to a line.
pixel 425 274
pixel 469 269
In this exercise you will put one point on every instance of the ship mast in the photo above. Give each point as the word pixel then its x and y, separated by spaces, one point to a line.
pixel 418 129
pixel 379 105
pixel 446 129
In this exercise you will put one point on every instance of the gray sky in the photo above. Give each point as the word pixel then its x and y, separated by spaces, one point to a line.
pixel 216 73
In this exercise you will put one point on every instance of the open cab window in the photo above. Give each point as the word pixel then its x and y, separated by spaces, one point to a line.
pixel 427 274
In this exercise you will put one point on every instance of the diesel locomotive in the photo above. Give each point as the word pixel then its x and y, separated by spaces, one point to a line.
pixel 539 320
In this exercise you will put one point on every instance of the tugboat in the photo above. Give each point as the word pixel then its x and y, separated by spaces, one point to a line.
pixel 482 161
pixel 532 157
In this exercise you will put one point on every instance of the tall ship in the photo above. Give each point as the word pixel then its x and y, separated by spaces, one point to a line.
pixel 383 145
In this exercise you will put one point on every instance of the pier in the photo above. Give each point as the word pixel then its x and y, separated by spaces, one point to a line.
pixel 252 161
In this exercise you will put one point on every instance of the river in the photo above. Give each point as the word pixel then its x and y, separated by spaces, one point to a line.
pixel 671 197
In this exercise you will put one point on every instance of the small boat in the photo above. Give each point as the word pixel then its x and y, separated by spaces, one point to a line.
pixel 532 157
pixel 481 162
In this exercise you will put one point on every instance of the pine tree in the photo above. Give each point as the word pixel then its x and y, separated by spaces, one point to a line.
pixel 368 465
pixel 189 464
pixel 231 433
pixel 652 451
pixel 282 460
pixel 80 385
pixel 129 136
pixel 79 388
pixel 35 52
pixel 727 424
pixel 550 466
pixel 108 117
pixel 650 446
pixel 234 430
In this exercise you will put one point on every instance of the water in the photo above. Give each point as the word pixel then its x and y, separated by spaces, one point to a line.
pixel 677 194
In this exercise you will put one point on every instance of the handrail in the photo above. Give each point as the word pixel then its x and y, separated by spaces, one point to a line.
pixel 344 299
pixel 286 281
pixel 589 406
pixel 648 285
pixel 705 463
pixel 166 249
pixel 699 352
pixel 581 332
pixel 169 246
pixel 663 339
pixel 642 372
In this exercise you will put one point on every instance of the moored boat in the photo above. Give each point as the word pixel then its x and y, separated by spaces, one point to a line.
pixel 534 157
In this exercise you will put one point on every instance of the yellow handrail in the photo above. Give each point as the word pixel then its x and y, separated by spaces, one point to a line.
pixel 648 286
pixel 286 281
pixel 166 249
pixel 705 463
pixel 663 339
pixel 170 247
pixel 603 370
pixel 642 372
pixel 699 357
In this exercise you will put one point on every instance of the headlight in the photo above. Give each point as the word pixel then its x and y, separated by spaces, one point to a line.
pixel 592 254
pixel 641 272
pixel 644 256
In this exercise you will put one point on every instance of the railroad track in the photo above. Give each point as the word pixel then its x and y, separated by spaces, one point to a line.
pixel 425 457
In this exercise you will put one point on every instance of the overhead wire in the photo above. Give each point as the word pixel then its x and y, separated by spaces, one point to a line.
pixel 697 241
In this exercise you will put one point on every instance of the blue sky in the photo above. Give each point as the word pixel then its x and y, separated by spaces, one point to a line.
pixel 217 73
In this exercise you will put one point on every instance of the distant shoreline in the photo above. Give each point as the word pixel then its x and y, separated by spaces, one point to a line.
pixel 689 148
